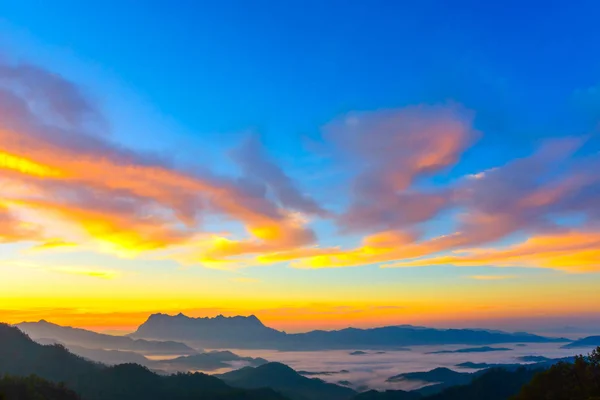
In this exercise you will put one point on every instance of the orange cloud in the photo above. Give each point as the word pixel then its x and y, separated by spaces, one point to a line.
pixel 53 162
pixel 393 149
pixel 491 277
pixel 383 246
pixel 577 251
pixel 12 229
pixel 90 272
pixel 58 166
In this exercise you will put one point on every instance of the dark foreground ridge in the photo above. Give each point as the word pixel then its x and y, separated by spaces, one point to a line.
pixel 250 332
pixel 21 356
pixel 65 376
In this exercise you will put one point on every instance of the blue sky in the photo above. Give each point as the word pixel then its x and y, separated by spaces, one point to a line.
pixel 191 81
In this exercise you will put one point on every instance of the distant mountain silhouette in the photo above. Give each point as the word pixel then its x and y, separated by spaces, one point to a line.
pixel 435 375
pixel 533 358
pixel 482 365
pixel 543 364
pixel 286 381
pixel 250 332
pixel 93 340
pixel 590 341
pixel 388 395
pixel 311 373
pixel 21 356
pixel 214 332
pixel 484 349
pixel 33 388
pixel 213 360
pixel 110 357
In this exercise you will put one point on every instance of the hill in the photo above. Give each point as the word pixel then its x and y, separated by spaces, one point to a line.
pixel 33 388
pixel 250 332
pixel 21 356
pixel 590 342
pixel 93 340
pixel 579 380
pixel 435 375
pixel 495 384
pixel 286 381
pixel 213 360
pixel 484 349
pixel 388 395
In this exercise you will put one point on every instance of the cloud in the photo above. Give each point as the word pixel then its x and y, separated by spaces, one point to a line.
pixel 491 277
pixel 89 272
pixel 574 251
pixel 527 195
pixel 53 244
pixel 65 183
pixel 260 170
pixel 14 230
pixel 57 163
pixel 93 272
pixel 244 279
pixel 392 150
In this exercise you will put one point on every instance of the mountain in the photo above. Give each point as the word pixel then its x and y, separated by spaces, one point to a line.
pixel 93 340
pixel 590 341
pixel 435 375
pixel 484 349
pixel 213 360
pixel 250 332
pixel 533 358
pixel 473 365
pixel 495 384
pixel 311 373
pixel 286 381
pixel 579 380
pixel 388 395
pixel 21 356
pixel 544 363
pixel 110 357
pixel 33 388
pixel 217 332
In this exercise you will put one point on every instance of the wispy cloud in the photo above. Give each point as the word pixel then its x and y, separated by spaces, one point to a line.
pixel 66 184
pixel 89 272
pixel 491 277
pixel 245 279
pixel 57 163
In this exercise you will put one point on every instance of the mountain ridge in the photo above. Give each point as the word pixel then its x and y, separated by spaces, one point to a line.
pixel 249 332
pixel 93 340
pixel 22 356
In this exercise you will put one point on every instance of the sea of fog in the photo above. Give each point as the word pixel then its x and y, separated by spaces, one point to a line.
pixel 374 368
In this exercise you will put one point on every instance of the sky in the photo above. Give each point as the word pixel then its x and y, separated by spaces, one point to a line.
pixel 318 164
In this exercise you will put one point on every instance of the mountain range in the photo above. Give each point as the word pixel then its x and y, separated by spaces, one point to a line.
pixel 21 356
pixel 251 333
pixel 590 341
pixel 80 337
pixel 203 361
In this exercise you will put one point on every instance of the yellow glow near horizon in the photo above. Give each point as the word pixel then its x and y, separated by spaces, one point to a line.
pixel 27 166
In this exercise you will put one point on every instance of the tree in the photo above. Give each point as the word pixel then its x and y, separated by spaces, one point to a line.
pixel 564 381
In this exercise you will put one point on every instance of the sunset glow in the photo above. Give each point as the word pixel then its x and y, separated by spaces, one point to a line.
pixel 313 181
